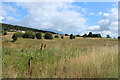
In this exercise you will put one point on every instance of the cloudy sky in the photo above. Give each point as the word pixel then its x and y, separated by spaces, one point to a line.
pixel 64 17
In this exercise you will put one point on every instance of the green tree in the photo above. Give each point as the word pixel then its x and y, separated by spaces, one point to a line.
pixel 118 37
pixel 62 37
pixel 108 36
pixel 56 36
pixel 14 37
pixel 29 34
pixel 4 33
pixel 39 35
pixel 72 36
pixel 66 35
pixel 19 34
pixel 90 34
pixel 78 35
pixel 48 35
pixel 85 35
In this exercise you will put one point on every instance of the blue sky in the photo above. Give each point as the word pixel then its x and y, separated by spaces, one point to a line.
pixel 63 17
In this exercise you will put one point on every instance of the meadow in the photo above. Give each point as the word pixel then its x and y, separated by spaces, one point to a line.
pixel 61 58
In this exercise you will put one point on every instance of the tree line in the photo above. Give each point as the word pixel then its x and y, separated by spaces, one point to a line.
pixel 33 35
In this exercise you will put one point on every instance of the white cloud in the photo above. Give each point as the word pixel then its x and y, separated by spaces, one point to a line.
pixel 109 23
pixel 106 14
pixel 100 13
pixel 60 16
pixel 94 28
pixel 91 13
pixel 1 18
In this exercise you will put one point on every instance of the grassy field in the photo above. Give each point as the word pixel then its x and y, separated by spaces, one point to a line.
pixel 61 58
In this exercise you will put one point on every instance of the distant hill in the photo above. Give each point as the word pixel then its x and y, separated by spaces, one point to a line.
pixel 9 27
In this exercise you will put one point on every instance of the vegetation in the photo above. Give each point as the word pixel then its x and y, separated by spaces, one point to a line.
pixel 48 35
pixel 39 35
pixel 62 37
pixel 66 35
pixel 58 58
pixel 78 35
pixel 72 36
pixel 78 58
pixel 118 37
pixel 85 35
pixel 19 34
pixel 29 34
pixel 90 34
pixel 15 28
pixel 94 35
pixel 56 36
pixel 108 36
pixel 4 33
pixel 15 37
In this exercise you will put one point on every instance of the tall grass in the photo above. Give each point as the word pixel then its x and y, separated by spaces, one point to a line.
pixel 78 58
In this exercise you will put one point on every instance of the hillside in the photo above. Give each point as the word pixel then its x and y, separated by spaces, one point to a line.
pixel 12 28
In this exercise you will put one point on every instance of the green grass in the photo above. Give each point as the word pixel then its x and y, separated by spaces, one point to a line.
pixel 78 58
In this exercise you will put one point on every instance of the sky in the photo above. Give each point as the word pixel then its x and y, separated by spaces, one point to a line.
pixel 64 17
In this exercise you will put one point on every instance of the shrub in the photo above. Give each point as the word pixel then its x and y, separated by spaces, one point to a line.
pixel 19 34
pixel 108 36
pixel 48 35
pixel 96 35
pixel 118 37
pixel 78 35
pixel 56 36
pixel 39 35
pixel 66 35
pixel 72 36
pixel 62 37
pixel 90 34
pixel 4 33
pixel 14 37
pixel 29 34
pixel 85 35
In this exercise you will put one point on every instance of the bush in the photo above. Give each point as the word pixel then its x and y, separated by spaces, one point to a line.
pixel 118 37
pixel 66 35
pixel 90 34
pixel 4 33
pixel 62 37
pixel 72 36
pixel 85 35
pixel 39 35
pixel 14 37
pixel 19 34
pixel 29 34
pixel 108 36
pixel 48 35
pixel 78 35
pixel 56 36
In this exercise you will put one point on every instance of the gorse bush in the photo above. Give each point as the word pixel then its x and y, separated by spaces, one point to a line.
pixel 29 34
pixel 56 36
pixel 72 36
pixel 39 35
pixel 48 35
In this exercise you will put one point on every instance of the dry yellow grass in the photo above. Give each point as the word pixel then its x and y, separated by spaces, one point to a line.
pixel 78 58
